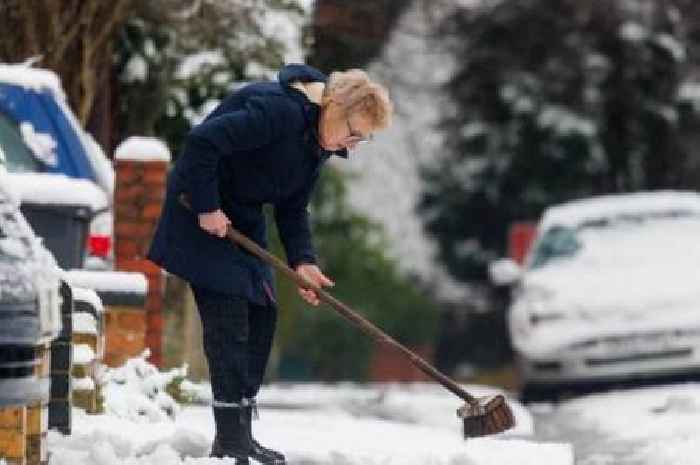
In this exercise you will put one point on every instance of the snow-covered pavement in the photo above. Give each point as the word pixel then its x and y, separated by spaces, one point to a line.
pixel 314 424
pixel 643 426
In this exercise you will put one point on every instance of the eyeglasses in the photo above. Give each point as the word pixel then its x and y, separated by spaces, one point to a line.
pixel 356 137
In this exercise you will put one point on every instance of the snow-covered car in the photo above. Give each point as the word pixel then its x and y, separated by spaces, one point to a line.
pixel 43 144
pixel 29 303
pixel 608 291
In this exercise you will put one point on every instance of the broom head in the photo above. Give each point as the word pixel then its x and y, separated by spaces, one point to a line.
pixel 490 415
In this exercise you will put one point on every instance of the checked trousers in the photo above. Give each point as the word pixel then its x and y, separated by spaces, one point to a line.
pixel 237 337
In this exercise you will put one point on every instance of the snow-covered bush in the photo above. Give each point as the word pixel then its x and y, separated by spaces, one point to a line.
pixel 139 391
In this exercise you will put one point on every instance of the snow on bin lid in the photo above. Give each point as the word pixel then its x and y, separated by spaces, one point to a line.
pixel 57 189
pixel 574 213
pixel 142 149
pixel 22 75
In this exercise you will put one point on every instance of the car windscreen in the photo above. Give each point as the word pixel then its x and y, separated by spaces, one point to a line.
pixel 18 156
pixel 610 238
pixel 556 242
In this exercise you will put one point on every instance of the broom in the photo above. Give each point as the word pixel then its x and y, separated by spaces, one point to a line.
pixel 480 416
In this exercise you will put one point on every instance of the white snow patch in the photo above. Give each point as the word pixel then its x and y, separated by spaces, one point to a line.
pixel 136 69
pixel 31 78
pixel 33 274
pixel 690 92
pixel 674 47
pixel 574 213
pixel 345 423
pixel 57 189
pixel 564 122
pixel 633 31
pixel 143 149
pixel 83 354
pixel 42 145
pixel 663 422
pixel 108 281
pixel 84 323
pixel 83 384
pixel 87 295
pixel 474 129
pixel 192 65
pixel 196 116
pixel 136 391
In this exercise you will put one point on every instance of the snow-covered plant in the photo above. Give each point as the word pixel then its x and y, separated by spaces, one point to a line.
pixel 178 59
pixel 139 391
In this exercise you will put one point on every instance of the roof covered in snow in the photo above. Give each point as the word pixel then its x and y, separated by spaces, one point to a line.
pixel 31 78
pixel 574 213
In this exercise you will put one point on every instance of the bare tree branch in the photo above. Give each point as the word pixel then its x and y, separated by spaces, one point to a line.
pixel 30 28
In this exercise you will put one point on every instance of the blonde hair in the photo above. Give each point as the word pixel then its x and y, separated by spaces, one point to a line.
pixel 354 92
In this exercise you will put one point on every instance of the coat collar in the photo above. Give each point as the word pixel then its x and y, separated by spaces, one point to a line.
pixel 288 75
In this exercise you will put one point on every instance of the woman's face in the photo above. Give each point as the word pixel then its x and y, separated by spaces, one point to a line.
pixel 339 131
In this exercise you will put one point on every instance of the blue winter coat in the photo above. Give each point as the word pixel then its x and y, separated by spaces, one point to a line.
pixel 259 146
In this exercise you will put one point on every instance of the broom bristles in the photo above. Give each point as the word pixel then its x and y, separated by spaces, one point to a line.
pixel 496 417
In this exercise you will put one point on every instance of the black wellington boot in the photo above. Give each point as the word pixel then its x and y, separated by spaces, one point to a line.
pixel 264 455
pixel 232 439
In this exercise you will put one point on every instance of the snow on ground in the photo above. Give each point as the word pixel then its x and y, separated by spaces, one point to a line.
pixel 323 424
pixel 663 421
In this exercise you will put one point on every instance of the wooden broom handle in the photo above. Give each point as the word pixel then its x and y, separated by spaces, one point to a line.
pixel 344 310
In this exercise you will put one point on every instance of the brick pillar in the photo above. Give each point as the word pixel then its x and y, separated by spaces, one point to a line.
pixel 141 166
pixel 13 434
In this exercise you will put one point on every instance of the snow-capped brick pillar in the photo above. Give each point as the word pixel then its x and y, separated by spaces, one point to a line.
pixel 141 166
pixel 24 427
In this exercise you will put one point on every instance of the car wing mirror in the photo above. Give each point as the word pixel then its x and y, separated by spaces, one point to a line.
pixel 504 272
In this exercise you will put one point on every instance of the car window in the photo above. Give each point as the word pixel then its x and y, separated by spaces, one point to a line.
pixel 557 242
pixel 18 156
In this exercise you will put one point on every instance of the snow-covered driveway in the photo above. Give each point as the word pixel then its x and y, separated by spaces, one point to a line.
pixel 315 425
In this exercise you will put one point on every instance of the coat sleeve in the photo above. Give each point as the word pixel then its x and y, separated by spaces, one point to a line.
pixel 260 122
pixel 292 219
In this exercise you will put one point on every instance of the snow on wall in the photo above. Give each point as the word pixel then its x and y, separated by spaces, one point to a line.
pixel 143 149
pixel 57 189
pixel 108 281
pixel 89 296
pixel 84 323
pixel 386 185
pixel 83 384
pixel 83 354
